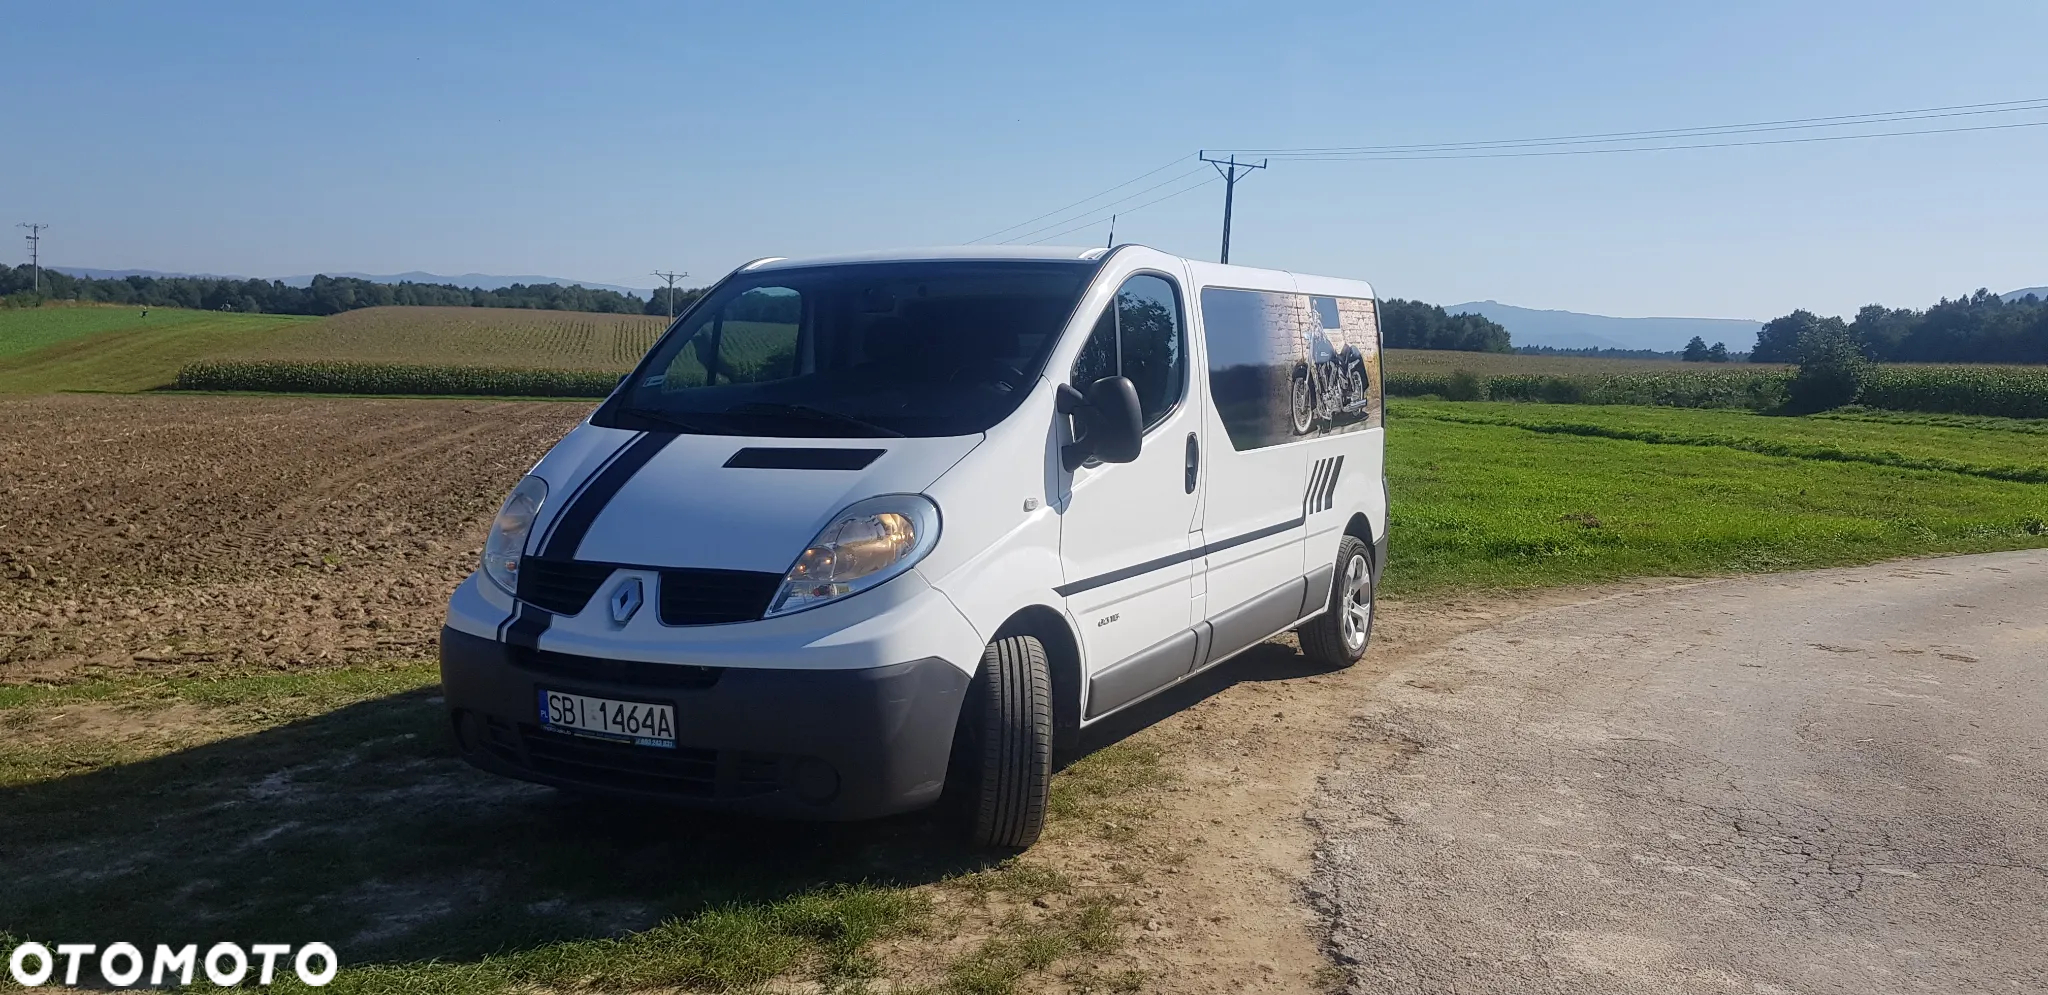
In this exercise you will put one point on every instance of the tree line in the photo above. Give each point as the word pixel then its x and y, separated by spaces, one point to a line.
pixel 326 294
pixel 1416 325
pixel 1979 328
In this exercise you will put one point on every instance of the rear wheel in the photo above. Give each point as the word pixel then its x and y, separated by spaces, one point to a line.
pixel 1004 747
pixel 1338 637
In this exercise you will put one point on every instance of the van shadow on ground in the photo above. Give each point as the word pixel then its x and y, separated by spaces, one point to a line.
pixel 360 828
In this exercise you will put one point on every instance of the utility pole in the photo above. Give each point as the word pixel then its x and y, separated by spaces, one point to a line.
pixel 672 278
pixel 1230 171
pixel 35 257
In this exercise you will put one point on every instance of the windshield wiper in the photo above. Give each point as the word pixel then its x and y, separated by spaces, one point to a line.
pixel 809 413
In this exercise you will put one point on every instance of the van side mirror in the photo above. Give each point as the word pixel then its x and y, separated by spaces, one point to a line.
pixel 1112 424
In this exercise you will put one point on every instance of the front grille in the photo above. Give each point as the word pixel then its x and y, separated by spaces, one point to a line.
pixel 685 771
pixel 590 668
pixel 560 586
pixel 713 597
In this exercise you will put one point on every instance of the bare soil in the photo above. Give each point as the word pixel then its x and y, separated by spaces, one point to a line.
pixel 212 534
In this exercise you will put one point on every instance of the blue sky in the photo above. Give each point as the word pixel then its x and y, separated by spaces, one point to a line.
pixel 602 141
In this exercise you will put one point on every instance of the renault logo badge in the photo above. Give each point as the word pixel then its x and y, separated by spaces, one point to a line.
pixel 625 600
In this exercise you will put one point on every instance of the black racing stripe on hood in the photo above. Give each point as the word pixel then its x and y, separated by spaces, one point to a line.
pixel 582 511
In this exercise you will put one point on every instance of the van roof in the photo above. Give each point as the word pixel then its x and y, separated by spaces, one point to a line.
pixel 1205 273
pixel 1049 253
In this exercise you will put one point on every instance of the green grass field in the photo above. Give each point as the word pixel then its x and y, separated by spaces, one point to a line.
pixel 1483 501
pixel 2001 454
pixel 116 348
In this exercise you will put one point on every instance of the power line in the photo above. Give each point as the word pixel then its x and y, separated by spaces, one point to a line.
pixel 35 256
pixel 1097 219
pixel 1496 154
pixel 671 278
pixel 1229 171
pixel 1669 134
pixel 1787 124
pixel 1083 200
pixel 1097 210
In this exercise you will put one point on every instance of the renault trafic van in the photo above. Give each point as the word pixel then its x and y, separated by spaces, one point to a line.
pixel 860 532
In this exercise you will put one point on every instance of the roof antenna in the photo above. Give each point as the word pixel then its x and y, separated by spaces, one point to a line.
pixel 1111 244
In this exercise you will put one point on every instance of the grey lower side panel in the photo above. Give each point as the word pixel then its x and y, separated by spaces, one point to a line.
pixel 1316 596
pixel 1143 674
pixel 1256 619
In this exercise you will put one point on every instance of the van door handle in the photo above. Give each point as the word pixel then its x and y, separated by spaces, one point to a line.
pixel 1194 462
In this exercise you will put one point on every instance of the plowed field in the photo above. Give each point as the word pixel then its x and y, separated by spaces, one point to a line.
pixel 207 534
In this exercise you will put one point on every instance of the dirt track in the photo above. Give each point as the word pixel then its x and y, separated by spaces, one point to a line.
pixel 195 534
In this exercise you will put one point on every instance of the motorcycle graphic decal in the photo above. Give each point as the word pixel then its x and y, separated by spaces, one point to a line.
pixel 1284 367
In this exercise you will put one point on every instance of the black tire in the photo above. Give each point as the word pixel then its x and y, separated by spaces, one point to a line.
pixel 1005 745
pixel 1301 393
pixel 1339 636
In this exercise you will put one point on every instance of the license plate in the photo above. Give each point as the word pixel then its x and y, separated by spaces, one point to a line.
pixel 638 722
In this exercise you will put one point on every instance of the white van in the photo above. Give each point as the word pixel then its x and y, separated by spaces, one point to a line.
pixel 862 531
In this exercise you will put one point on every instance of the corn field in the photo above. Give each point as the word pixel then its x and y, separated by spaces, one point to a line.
pixel 391 378
pixel 465 336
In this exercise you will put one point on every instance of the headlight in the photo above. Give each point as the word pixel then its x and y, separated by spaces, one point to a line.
pixel 862 547
pixel 507 540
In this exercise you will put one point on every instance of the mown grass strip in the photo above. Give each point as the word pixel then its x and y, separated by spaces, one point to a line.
pixel 293 377
pixel 2008 392
pixel 1752 389
pixel 1767 447
pixel 1976 423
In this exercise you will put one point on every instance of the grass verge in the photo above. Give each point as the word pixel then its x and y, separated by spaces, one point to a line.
pixel 1613 427
pixel 327 805
pixel 1481 506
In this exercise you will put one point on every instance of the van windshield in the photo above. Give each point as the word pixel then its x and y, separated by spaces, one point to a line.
pixel 866 349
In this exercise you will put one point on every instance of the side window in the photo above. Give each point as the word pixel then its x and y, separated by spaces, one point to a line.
pixel 1140 336
pixel 752 340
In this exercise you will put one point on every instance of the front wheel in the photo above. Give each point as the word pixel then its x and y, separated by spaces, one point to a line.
pixel 1302 396
pixel 1003 751
pixel 1337 637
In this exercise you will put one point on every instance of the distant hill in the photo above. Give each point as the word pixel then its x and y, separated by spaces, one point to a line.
pixel 1571 330
pixel 2041 292
pixel 483 281
pixel 122 274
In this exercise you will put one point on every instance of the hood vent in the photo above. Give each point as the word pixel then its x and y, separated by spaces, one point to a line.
pixel 778 458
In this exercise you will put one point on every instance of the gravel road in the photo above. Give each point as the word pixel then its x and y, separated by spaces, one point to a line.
pixel 1823 782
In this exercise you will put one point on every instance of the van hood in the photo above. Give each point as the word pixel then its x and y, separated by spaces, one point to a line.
pixel 723 502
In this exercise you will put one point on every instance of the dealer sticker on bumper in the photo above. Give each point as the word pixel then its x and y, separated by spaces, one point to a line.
pixel 638 722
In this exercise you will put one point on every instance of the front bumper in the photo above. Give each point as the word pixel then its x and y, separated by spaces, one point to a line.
pixel 813 744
